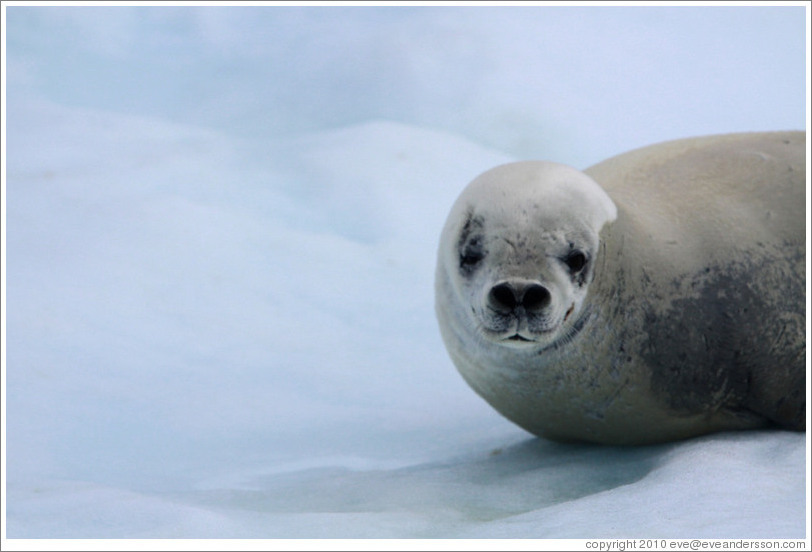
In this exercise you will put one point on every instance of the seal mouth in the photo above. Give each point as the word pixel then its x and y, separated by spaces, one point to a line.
pixel 517 341
pixel 519 338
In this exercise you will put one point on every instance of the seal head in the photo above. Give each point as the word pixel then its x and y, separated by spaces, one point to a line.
pixel 519 250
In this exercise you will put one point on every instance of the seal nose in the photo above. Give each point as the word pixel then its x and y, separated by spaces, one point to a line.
pixel 509 295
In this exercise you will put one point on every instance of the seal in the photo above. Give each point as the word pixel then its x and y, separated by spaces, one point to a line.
pixel 656 296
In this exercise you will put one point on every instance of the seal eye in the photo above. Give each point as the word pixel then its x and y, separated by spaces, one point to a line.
pixel 471 258
pixel 575 261
pixel 470 245
pixel 471 255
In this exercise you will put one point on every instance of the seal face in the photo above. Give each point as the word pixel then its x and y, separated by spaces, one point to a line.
pixel 524 253
pixel 631 311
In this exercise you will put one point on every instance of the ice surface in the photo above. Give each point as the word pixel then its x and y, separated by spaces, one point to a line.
pixel 221 229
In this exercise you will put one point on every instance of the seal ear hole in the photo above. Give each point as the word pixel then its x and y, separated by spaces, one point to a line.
pixel 575 261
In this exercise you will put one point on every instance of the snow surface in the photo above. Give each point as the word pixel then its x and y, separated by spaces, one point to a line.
pixel 221 230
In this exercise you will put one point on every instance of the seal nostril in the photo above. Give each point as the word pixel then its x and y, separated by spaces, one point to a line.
pixel 508 296
pixel 535 297
pixel 504 296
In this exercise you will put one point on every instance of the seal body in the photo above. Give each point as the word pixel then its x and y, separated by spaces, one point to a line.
pixel 655 296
